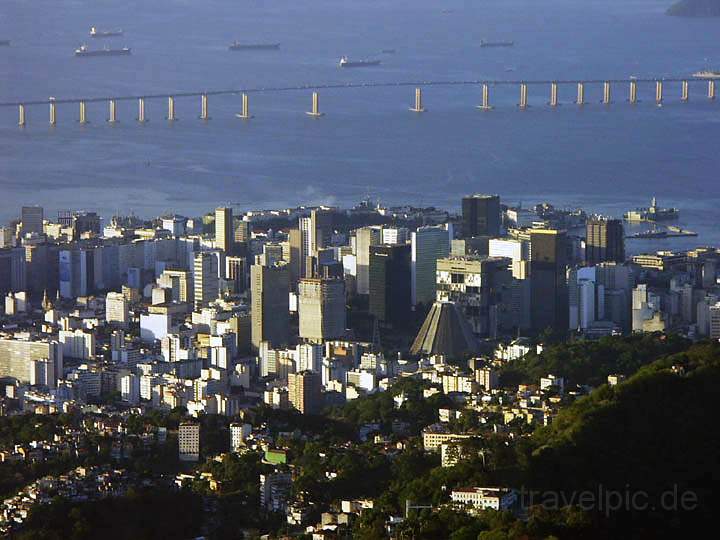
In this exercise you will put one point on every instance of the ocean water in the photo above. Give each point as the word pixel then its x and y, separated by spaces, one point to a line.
pixel 605 159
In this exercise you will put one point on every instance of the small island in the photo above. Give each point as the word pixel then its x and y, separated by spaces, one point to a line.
pixel 695 8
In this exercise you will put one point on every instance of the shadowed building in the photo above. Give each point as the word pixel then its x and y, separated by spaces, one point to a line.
pixel 604 241
pixel 390 283
pixel 480 215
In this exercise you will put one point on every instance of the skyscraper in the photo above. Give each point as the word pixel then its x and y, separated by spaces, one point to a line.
pixel 604 241
pixel 549 302
pixel 12 270
pixel 321 229
pixel 390 283
pixel 117 309
pixel 270 290
pixel 480 215
pixel 236 273
pixel 321 306
pixel 304 391
pixel 428 245
pixel 205 279
pixel 481 286
pixel 224 230
pixel 364 239
pixel 32 220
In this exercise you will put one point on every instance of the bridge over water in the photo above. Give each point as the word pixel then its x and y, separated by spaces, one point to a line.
pixel 609 86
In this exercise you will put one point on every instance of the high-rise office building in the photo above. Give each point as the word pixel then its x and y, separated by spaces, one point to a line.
pixel 205 279
pixel 395 235
pixel 224 230
pixel 428 244
pixel 604 241
pixel 321 307
pixel 364 239
pixel 31 362
pixel 321 227
pixel 179 282
pixel 236 273
pixel 480 215
pixel 297 260
pixel 242 232
pixel 390 283
pixel 117 309
pixel 481 287
pixel 270 291
pixel 549 302
pixel 12 270
pixel 304 391
pixel 41 268
pixel 32 220
pixel 77 271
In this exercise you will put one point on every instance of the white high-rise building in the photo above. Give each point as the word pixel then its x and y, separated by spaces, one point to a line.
pixel 428 244
pixel 78 344
pixel 321 305
pixel 117 309
pixel 205 277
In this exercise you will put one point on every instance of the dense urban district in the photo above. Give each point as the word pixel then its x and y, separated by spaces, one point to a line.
pixel 363 373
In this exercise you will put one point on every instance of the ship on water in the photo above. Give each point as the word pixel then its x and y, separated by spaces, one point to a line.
pixel 485 43
pixel 345 62
pixel 652 213
pixel 237 46
pixel 707 74
pixel 105 51
pixel 94 32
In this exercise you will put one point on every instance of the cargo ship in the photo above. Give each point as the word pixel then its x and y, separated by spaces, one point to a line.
pixel 94 32
pixel 345 62
pixel 652 213
pixel 237 46
pixel 484 43
pixel 707 74
pixel 105 51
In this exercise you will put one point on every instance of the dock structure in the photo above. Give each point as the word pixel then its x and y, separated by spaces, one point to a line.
pixel 580 93
pixel 315 106
pixel 418 107
pixel 141 111
pixel 684 92
pixel 245 108
pixel 553 94
pixel 112 111
pixel 658 92
pixel 485 105
pixel 171 109
pixel 633 92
